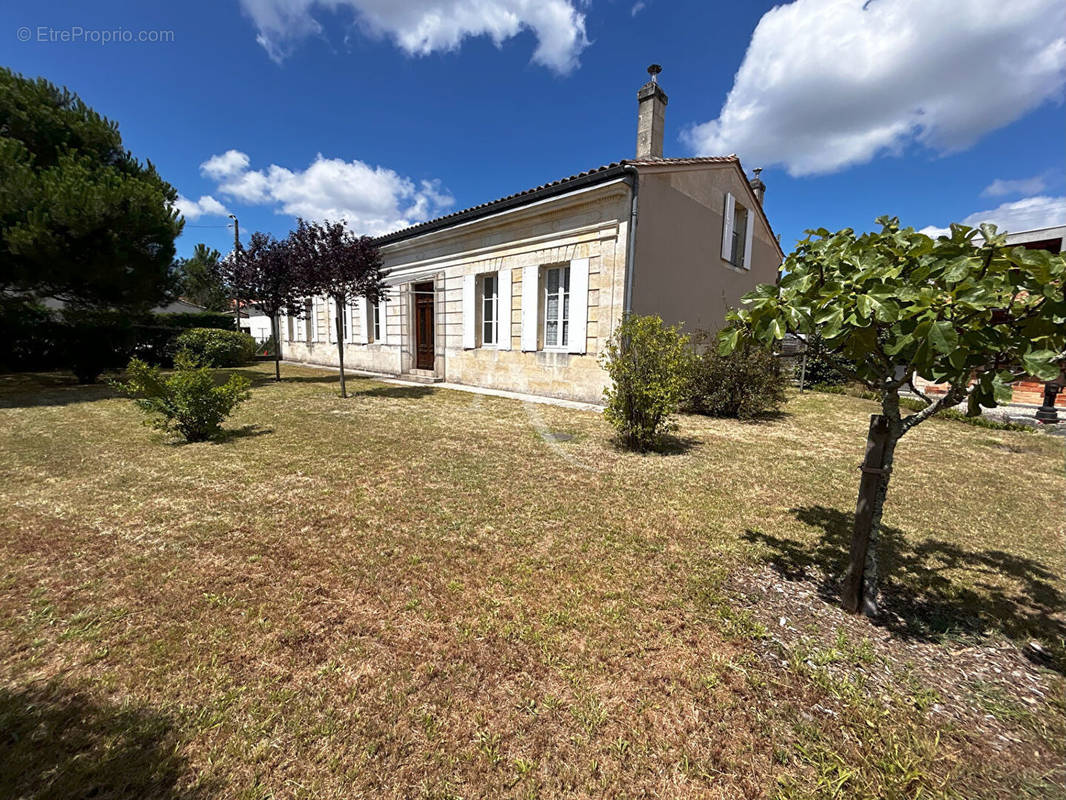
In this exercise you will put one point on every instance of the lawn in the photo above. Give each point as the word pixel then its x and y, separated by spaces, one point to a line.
pixel 418 592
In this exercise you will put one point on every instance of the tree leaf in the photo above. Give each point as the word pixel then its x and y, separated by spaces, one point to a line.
pixel 942 337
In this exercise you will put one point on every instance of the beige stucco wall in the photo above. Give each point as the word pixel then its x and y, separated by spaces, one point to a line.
pixel 679 271
pixel 591 224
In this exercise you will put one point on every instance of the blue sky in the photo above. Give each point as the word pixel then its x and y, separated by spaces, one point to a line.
pixel 392 111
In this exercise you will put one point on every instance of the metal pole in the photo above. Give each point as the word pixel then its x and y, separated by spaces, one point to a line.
pixel 236 247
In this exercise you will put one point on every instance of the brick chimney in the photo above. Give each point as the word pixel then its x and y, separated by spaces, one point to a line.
pixel 757 185
pixel 651 116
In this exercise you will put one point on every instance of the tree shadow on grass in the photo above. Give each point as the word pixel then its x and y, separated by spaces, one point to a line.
pixel 58 743
pixel 934 590
pixel 668 445
pixel 28 389
pixel 396 392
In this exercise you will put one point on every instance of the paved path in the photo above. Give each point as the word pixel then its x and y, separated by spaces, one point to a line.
pixel 459 387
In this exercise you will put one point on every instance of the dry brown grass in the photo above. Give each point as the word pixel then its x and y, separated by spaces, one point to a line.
pixel 412 593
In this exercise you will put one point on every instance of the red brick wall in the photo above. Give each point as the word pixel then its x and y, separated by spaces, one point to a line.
pixel 1027 391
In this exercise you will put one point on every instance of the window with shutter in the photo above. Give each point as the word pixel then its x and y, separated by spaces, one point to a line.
pixel 556 308
pixel 490 317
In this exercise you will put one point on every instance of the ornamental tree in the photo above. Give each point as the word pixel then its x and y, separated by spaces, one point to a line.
pixel 341 266
pixel 81 220
pixel 964 310
pixel 268 272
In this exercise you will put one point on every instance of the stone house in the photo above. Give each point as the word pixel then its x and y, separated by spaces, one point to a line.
pixel 521 293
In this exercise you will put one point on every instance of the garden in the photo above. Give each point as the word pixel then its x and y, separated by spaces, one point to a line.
pixel 311 604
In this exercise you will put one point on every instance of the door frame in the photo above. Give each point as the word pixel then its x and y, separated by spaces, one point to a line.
pixel 424 289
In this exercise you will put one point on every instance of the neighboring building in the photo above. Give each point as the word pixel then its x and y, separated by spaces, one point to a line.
pixel 1027 390
pixel 255 322
pixel 521 293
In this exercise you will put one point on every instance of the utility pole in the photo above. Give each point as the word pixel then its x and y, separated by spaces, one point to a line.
pixel 236 247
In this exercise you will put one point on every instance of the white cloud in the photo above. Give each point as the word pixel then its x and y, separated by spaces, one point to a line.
pixel 222 166
pixel 420 27
pixel 638 6
pixel 1031 213
pixel 194 209
pixel 372 200
pixel 830 83
pixel 1029 186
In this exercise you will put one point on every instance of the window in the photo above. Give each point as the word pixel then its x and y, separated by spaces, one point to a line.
pixel 557 307
pixel 375 330
pixel 490 318
pixel 740 231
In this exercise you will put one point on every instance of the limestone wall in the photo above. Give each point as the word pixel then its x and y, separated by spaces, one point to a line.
pixel 591 224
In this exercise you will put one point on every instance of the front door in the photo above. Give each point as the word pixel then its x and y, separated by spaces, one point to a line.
pixel 424 356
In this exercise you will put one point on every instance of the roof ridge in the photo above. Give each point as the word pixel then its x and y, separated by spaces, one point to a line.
pixel 436 221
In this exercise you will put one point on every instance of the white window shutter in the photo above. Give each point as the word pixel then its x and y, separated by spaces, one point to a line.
pixel 315 302
pixel 363 308
pixel 727 226
pixel 469 312
pixel 579 305
pixel 331 310
pixel 503 337
pixel 747 238
pixel 349 334
pixel 384 320
pixel 283 327
pixel 530 294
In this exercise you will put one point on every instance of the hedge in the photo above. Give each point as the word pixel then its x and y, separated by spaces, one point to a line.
pixel 89 342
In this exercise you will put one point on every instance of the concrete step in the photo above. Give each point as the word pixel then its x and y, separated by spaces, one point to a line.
pixel 422 376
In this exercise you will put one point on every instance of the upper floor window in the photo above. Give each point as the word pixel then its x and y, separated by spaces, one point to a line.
pixel 490 318
pixel 557 307
pixel 739 238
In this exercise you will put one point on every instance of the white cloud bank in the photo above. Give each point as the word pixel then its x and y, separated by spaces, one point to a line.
pixel 1031 213
pixel 421 27
pixel 372 200
pixel 194 209
pixel 826 84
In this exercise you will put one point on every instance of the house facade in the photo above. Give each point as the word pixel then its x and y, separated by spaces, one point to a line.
pixel 521 293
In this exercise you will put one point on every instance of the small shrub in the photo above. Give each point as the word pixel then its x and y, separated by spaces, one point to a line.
pixel 746 384
pixel 211 347
pixel 821 370
pixel 188 401
pixel 648 363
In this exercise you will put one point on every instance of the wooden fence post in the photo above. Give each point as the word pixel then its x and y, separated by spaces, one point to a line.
pixel 872 472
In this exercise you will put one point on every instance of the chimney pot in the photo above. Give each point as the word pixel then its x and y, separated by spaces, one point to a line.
pixel 757 186
pixel 651 116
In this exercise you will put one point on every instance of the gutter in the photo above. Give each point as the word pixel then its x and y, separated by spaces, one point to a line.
pixel 633 179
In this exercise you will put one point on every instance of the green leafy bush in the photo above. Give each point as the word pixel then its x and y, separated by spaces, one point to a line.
pixel 746 384
pixel 188 401
pixel 821 370
pixel 210 347
pixel 648 363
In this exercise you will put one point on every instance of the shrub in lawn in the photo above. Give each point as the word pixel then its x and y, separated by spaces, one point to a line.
pixel 747 383
pixel 648 363
pixel 188 401
pixel 211 347
pixel 821 370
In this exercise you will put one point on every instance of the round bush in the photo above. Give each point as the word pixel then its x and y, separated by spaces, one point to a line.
pixel 211 347
pixel 746 384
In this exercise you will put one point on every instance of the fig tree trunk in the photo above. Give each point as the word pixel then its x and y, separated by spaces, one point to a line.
pixel 860 583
